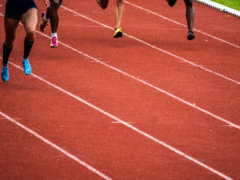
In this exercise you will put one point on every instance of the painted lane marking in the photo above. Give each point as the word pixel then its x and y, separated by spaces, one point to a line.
pixel 178 23
pixel 156 48
pixel 56 147
pixel 147 84
pixel 128 125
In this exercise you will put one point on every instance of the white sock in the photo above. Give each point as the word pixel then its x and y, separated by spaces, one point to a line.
pixel 54 35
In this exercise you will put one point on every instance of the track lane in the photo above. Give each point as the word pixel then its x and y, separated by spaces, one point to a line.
pixel 66 70
pixel 70 75
pixel 64 127
pixel 23 156
pixel 198 82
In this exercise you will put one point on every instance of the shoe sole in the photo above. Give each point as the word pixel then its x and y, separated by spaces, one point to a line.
pixel 54 46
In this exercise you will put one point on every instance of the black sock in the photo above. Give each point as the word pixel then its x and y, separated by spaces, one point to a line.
pixel 27 48
pixel 48 13
pixel 6 53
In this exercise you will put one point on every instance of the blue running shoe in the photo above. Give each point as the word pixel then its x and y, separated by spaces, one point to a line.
pixel 5 74
pixel 26 66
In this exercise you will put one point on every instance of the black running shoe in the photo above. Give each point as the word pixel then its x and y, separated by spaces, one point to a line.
pixel 171 2
pixel 190 35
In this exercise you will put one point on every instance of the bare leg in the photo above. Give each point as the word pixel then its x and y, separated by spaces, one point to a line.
pixel 190 18
pixel 29 20
pixel 189 14
pixel 118 19
pixel 119 13
pixel 53 13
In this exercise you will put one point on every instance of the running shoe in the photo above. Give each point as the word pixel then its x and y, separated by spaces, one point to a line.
pixel 190 35
pixel 5 74
pixel 26 66
pixel 43 23
pixel 171 2
pixel 103 4
pixel 118 33
pixel 54 42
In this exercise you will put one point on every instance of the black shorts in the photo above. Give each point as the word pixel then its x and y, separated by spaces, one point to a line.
pixel 14 9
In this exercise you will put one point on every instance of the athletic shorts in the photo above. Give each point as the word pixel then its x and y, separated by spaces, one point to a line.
pixel 14 9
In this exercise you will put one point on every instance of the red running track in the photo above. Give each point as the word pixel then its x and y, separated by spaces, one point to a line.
pixel 150 105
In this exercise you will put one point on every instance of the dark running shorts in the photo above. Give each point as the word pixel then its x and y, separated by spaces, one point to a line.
pixel 16 8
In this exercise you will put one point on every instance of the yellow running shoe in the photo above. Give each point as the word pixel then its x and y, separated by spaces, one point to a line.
pixel 118 33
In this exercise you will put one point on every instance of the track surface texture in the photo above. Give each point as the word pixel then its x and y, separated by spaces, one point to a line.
pixel 149 105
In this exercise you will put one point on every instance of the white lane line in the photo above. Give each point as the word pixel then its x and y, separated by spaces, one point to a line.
pixel 175 22
pixel 193 105
pixel 149 85
pixel 56 147
pixel 129 126
pixel 157 48
pixel 126 124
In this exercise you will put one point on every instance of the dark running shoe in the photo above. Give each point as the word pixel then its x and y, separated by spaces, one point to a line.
pixel 43 23
pixel 190 35
pixel 171 2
